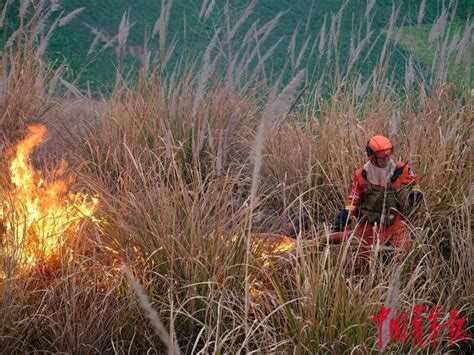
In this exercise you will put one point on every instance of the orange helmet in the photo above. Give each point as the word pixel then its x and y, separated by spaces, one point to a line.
pixel 379 146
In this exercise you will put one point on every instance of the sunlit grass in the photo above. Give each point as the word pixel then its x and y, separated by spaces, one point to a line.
pixel 201 172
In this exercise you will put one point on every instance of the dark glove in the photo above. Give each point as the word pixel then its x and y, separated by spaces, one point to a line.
pixel 414 198
pixel 341 221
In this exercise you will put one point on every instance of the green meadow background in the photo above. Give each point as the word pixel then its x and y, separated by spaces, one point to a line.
pixel 96 67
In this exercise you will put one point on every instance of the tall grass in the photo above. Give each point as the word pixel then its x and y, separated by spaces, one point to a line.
pixel 188 165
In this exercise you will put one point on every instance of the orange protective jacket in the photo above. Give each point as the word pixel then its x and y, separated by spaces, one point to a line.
pixel 360 184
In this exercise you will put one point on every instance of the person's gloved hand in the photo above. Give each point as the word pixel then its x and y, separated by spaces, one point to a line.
pixel 414 198
pixel 341 221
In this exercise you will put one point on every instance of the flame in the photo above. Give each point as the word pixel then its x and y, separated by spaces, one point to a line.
pixel 39 214
pixel 266 246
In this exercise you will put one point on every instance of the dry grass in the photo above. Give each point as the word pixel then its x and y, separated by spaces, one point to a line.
pixel 189 165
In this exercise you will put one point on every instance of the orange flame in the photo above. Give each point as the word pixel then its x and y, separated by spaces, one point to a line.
pixel 266 246
pixel 38 214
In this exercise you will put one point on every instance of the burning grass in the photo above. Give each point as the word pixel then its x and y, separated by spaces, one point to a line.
pixel 182 163
pixel 39 214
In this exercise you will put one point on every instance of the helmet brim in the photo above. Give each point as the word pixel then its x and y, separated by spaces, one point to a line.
pixel 383 153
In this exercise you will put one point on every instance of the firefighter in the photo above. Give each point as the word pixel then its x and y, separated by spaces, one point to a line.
pixel 376 199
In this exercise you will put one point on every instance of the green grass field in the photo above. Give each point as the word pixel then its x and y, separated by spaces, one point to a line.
pixel 416 40
pixel 73 42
